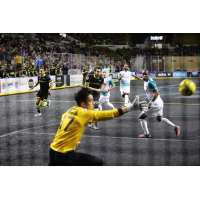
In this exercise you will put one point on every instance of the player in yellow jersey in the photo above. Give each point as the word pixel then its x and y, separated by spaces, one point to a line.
pixel 73 124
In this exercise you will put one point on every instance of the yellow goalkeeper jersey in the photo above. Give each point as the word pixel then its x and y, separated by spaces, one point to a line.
pixel 73 124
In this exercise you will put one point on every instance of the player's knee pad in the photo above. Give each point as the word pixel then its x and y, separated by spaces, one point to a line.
pixel 123 95
pixel 142 116
pixel 126 93
pixel 159 118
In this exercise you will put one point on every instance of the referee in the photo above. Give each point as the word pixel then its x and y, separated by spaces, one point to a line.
pixel 94 82
pixel 42 95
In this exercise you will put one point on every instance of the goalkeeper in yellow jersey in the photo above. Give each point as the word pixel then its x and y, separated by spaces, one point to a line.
pixel 73 124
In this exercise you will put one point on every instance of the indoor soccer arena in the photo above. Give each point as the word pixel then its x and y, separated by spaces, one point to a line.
pixel 68 60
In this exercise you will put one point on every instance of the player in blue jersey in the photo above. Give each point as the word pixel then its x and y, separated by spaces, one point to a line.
pixel 106 87
pixel 155 105
pixel 124 77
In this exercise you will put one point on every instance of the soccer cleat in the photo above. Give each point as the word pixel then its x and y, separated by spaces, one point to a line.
pixel 90 125
pixel 95 127
pixel 177 131
pixel 144 135
pixel 38 114
pixel 48 103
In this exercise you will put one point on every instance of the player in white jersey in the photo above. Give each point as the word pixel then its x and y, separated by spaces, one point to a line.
pixel 106 87
pixel 155 105
pixel 124 77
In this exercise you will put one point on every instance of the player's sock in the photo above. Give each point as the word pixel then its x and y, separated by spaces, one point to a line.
pixel 38 108
pixel 100 107
pixel 126 99
pixel 45 104
pixel 144 126
pixel 168 122
pixel 110 104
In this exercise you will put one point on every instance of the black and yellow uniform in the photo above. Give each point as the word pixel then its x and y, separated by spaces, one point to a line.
pixel 47 73
pixel 58 70
pixel 53 71
pixel 20 74
pixel 46 69
pixel 95 82
pixel 11 73
pixel 34 71
pixel 85 75
pixel 72 126
pixel 44 87
pixel 24 71
pixel 31 71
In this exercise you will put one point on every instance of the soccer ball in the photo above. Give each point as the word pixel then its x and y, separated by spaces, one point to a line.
pixel 187 87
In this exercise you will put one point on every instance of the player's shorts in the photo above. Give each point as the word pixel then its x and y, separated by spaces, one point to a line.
pixel 42 96
pixel 156 108
pixel 96 97
pixel 125 89
pixel 104 99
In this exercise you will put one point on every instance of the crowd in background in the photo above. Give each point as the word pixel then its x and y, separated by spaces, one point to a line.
pixel 181 50
pixel 23 56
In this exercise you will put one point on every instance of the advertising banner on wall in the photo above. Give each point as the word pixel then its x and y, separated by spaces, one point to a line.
pixel 193 74
pixel 139 74
pixel 180 74
pixel 153 74
pixel 76 79
pixel 9 85
pixel 59 81
pixel 165 74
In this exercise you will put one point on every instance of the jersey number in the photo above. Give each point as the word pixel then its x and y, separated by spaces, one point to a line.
pixel 70 122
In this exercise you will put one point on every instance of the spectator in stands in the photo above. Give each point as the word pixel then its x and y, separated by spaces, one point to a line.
pixel 30 71
pixel 39 63
pixel 1 72
pixel 13 62
pixel 18 60
pixel 178 69
pixel 58 67
pixel 65 69
pixel 53 70
pixel 21 73
pixel 10 72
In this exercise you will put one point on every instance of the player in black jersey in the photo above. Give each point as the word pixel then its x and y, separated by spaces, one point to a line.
pixel 42 95
pixel 47 70
pixel 53 70
pixel 94 81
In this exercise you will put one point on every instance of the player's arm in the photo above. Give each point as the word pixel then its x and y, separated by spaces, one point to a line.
pixel 112 86
pixel 154 89
pixel 155 95
pixel 35 86
pixel 120 76
pixel 91 88
pixel 96 116
pixel 51 86
pixel 138 78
